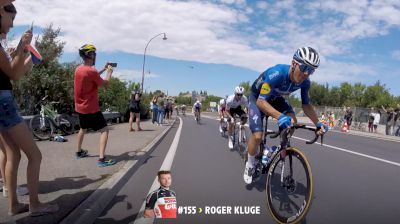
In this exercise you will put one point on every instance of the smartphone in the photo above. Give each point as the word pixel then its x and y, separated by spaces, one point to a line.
pixel 113 64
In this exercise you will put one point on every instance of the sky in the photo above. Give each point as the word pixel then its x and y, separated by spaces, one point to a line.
pixel 214 45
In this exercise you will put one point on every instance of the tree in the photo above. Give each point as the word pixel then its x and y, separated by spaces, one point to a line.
pixel 48 78
pixel 247 88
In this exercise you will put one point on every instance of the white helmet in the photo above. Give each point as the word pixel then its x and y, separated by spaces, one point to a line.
pixel 239 90
pixel 197 102
pixel 307 55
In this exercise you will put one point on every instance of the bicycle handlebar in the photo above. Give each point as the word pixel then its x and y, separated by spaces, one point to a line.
pixel 286 131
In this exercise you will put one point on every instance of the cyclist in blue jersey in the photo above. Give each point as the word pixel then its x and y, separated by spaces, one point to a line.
pixel 267 98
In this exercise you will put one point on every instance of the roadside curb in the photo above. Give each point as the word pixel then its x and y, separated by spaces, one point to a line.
pixel 92 206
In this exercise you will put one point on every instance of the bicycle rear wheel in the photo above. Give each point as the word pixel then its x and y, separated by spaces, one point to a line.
pixel 289 187
pixel 66 124
pixel 41 127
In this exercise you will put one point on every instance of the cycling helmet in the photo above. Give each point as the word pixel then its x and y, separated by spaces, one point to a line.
pixel 86 49
pixel 239 90
pixel 197 102
pixel 307 55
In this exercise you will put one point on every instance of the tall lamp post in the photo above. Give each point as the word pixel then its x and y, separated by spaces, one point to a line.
pixel 144 55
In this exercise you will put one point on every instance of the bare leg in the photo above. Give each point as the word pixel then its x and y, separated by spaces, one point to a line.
pixel 131 115
pixel 81 135
pixel 138 121
pixel 19 137
pixel 103 141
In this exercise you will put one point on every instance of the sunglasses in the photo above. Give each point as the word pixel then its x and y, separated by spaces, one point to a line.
pixel 239 94
pixel 306 68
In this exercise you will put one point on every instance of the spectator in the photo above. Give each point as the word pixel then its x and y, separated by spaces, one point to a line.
pixel 134 107
pixel 371 118
pixel 348 116
pixel 389 120
pixel 396 129
pixel 377 118
pixel 168 110
pixel 154 109
pixel 331 119
pixel 87 80
pixel 161 109
pixel 14 133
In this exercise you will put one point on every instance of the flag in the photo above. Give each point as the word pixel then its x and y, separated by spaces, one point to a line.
pixel 36 57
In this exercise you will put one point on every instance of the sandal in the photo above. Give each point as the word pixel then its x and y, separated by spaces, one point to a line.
pixel 20 208
pixel 132 130
pixel 44 210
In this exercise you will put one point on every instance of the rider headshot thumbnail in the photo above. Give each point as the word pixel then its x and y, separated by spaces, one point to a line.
pixel 161 203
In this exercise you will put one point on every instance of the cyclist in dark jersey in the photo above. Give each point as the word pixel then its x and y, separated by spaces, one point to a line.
pixel 161 203
pixel 266 98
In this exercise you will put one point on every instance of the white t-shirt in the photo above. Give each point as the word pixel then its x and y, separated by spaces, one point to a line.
pixel 231 102
pixel 377 118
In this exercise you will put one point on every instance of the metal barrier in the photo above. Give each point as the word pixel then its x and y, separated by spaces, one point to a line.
pixel 114 117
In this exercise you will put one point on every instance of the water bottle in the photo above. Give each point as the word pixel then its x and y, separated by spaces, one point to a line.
pixel 267 154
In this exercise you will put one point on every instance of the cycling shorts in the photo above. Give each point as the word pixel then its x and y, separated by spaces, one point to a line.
pixel 256 116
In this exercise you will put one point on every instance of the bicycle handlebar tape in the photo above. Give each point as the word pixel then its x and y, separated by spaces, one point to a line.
pixel 284 121
pixel 36 56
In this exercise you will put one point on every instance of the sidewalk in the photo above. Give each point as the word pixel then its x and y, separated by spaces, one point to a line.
pixel 69 181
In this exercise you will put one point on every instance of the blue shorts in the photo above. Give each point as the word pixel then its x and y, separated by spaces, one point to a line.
pixel 256 117
pixel 9 115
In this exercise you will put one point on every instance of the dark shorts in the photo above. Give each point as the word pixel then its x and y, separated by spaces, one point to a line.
pixel 94 121
pixel 134 109
pixel 256 117
pixel 9 115
pixel 238 110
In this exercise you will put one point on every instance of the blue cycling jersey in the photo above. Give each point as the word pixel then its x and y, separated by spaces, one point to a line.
pixel 275 82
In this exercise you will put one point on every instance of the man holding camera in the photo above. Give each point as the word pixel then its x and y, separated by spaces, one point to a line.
pixel 87 80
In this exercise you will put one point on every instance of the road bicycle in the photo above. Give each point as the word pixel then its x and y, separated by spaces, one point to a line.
pixel 239 132
pixel 44 124
pixel 289 181
pixel 224 127
pixel 197 116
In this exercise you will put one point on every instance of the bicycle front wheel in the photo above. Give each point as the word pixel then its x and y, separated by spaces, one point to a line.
pixel 289 187
pixel 41 127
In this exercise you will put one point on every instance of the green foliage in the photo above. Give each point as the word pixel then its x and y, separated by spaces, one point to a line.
pixel 49 78
pixel 247 88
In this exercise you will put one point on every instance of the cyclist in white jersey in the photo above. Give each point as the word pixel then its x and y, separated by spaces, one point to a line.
pixel 196 108
pixel 235 105
pixel 221 112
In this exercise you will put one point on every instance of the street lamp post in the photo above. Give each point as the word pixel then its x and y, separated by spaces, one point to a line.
pixel 144 55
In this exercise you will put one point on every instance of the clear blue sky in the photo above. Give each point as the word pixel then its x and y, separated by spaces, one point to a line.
pixel 214 45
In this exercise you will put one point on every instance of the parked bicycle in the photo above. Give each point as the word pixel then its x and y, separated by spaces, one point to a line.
pixel 44 124
pixel 289 182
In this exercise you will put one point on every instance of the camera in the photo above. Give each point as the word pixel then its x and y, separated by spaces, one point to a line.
pixel 113 64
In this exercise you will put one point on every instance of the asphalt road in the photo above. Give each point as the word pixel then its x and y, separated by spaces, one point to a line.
pixel 356 179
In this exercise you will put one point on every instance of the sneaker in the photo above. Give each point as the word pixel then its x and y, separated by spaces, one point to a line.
pixel 83 153
pixel 248 174
pixel 230 144
pixel 106 162
pixel 220 129
pixel 20 191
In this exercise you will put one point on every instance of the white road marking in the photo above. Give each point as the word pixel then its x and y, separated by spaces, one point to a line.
pixel 166 165
pixel 355 153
